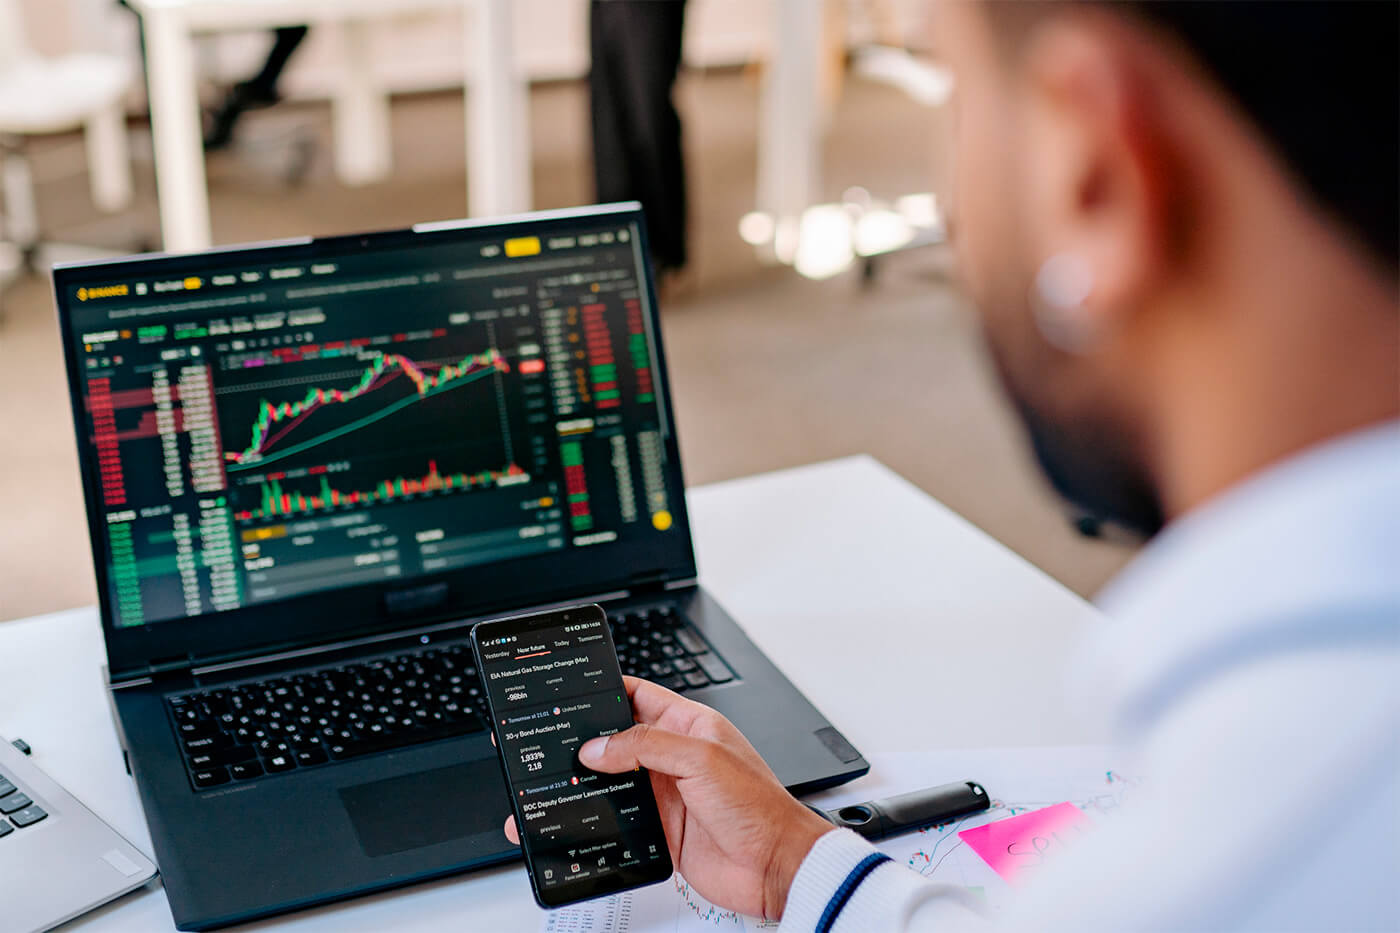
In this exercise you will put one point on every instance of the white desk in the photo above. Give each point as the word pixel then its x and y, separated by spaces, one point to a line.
pixel 498 163
pixel 907 626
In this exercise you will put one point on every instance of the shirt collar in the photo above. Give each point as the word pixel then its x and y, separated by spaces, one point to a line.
pixel 1254 570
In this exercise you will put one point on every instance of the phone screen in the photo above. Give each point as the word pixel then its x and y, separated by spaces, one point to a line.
pixel 552 683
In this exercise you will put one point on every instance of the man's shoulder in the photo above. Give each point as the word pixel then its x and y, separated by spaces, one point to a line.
pixel 1289 716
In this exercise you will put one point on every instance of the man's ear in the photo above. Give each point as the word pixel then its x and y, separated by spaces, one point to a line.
pixel 1098 169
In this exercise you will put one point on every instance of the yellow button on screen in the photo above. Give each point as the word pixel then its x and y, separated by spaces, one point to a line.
pixel 522 246
pixel 662 520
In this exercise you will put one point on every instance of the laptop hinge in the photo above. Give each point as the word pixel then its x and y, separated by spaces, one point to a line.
pixel 646 582
pixel 175 664
pixel 654 582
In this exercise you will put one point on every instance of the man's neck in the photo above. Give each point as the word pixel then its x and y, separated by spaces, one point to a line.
pixel 1295 362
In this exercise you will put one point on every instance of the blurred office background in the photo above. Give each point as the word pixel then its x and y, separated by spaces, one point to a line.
pixel 772 367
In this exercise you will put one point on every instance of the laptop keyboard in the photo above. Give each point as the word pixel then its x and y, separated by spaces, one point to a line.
pixel 658 644
pixel 249 730
pixel 17 811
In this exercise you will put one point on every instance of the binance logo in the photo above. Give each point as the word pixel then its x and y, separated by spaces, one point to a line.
pixel 102 291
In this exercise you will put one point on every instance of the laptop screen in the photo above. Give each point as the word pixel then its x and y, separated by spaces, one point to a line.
pixel 268 425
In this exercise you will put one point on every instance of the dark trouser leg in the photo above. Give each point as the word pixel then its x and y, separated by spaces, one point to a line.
pixel 636 48
pixel 258 91
pixel 612 171
pixel 286 42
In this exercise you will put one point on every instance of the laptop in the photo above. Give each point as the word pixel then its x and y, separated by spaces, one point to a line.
pixel 309 467
pixel 57 859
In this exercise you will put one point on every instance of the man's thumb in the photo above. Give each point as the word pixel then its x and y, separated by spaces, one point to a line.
pixel 647 747
pixel 593 752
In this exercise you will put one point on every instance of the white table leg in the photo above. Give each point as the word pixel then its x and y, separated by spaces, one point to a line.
pixel 109 159
pixel 789 145
pixel 180 182
pixel 498 115
pixel 360 111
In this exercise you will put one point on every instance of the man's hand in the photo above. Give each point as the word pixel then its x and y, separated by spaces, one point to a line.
pixel 734 832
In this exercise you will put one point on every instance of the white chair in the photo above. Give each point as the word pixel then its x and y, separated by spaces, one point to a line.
pixel 40 96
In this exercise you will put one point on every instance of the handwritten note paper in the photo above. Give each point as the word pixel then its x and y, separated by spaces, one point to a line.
pixel 1022 843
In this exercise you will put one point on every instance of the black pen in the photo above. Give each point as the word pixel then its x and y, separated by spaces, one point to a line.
pixel 876 819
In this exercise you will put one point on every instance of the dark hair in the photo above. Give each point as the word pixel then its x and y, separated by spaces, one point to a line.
pixel 1320 80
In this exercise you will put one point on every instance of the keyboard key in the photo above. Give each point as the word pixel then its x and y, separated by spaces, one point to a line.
pixel 282 762
pixel 683 664
pixel 207 742
pixel 6 787
pixel 675 682
pixel 12 802
pixel 237 753
pixel 195 729
pixel 245 770
pixel 28 816
pixel 714 667
pixel 5 828
pixel 210 777
pixel 222 756
pixel 311 756
pixel 691 641
pixel 696 679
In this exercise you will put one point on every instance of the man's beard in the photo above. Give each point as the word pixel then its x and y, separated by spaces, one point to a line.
pixel 1090 460
pixel 1094 471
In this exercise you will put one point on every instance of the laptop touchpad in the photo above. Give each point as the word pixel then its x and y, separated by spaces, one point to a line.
pixel 426 808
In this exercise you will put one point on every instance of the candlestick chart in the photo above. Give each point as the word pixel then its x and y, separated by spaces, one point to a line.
pixel 280 498
pixel 277 421
pixel 369 421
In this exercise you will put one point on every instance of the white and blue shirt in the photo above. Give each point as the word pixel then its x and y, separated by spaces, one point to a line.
pixel 1251 666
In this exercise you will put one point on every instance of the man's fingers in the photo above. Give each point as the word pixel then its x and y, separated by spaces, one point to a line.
pixel 653 701
pixel 649 700
pixel 511 832
pixel 656 749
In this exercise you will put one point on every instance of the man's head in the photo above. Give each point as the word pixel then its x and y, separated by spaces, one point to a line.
pixel 1180 221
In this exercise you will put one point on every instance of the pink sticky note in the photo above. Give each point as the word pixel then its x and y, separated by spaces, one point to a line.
pixel 1022 843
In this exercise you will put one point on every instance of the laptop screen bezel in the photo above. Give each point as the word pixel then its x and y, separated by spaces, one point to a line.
pixel 336 615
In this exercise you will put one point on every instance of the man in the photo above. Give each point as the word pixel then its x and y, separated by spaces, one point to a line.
pixel 1180 221
pixel 636 54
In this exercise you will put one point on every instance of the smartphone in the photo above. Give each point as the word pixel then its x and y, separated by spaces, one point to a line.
pixel 552 683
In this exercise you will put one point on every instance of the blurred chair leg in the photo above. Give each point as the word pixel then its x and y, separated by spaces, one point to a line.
pixel 21 213
pixel 19 224
pixel 109 163
pixel 11 268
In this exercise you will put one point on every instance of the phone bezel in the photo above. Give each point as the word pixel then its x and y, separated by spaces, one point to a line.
pixel 586 889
